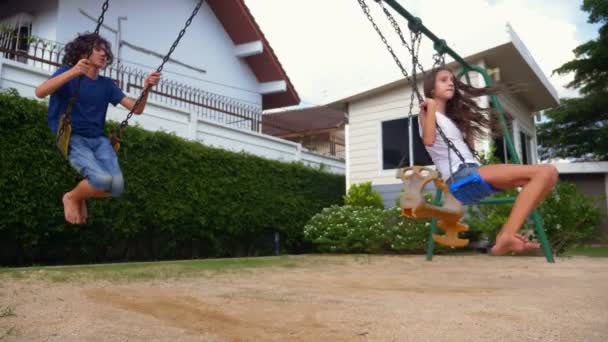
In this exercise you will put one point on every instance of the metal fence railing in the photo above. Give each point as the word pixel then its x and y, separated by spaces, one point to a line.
pixel 47 55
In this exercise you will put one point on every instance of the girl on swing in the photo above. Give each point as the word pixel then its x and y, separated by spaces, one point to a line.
pixel 90 151
pixel 449 104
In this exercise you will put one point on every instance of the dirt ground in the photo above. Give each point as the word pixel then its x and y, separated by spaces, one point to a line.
pixel 326 298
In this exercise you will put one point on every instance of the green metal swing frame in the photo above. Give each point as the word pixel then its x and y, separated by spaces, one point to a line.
pixel 441 47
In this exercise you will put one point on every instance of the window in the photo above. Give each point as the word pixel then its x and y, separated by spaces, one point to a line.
pixel 500 151
pixel 526 152
pixel 396 144
pixel 14 34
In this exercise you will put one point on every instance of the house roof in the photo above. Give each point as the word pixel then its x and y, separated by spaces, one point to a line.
pixel 516 67
pixel 242 28
pixel 311 119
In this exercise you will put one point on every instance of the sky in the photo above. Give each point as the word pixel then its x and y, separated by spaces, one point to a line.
pixel 330 50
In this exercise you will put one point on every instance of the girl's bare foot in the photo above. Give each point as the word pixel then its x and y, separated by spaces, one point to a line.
pixel 71 209
pixel 516 243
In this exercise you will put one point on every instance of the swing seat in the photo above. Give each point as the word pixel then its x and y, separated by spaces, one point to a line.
pixel 64 132
pixel 472 189
pixel 115 141
pixel 450 238
pixel 414 205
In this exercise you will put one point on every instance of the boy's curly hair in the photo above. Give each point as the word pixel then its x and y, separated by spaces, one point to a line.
pixel 83 46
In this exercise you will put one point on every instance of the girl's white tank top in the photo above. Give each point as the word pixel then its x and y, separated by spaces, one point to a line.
pixel 439 150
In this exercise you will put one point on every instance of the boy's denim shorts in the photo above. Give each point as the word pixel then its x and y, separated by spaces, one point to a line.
pixel 96 160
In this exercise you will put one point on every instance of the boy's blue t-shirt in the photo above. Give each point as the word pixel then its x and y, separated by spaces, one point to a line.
pixel 89 111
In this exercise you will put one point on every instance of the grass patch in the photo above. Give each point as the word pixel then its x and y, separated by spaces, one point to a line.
pixel 590 251
pixel 141 271
pixel 7 311
pixel 11 331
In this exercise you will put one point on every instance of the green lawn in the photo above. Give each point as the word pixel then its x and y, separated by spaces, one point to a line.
pixel 601 251
pixel 134 271
pixel 145 270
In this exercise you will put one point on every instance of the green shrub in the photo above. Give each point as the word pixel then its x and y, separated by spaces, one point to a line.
pixel 182 199
pixel 351 229
pixel 568 217
pixel 362 195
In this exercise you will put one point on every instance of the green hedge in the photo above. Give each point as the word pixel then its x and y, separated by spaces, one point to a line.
pixel 182 199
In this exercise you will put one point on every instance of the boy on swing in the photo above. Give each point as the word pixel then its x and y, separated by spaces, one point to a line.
pixel 90 151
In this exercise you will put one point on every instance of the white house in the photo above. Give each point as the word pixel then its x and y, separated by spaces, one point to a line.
pixel 218 81
pixel 377 135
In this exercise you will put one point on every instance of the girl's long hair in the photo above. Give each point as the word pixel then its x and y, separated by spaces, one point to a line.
pixel 473 121
pixel 83 46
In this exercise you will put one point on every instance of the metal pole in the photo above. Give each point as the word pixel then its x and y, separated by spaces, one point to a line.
pixel 416 24
pixel 119 39
pixel 276 243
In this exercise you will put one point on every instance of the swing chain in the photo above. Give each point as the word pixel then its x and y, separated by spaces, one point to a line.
pixel 366 10
pixel 414 49
pixel 125 122
pixel 415 38
pixel 104 8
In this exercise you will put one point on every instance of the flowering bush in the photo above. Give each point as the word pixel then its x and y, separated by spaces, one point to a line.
pixel 351 229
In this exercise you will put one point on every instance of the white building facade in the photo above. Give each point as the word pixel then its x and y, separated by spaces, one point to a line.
pixel 218 81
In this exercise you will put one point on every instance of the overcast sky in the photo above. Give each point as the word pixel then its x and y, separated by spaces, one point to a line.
pixel 330 50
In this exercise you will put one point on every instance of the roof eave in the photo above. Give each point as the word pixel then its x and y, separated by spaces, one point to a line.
pixel 239 23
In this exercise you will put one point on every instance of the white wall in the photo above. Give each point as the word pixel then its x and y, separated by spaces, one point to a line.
pixel 155 24
pixel 159 116
pixel 22 77
pixel 364 136
pixel 45 23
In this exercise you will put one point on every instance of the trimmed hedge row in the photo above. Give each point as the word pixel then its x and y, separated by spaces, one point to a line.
pixel 182 199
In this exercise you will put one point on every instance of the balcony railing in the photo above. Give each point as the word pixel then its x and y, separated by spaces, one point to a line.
pixel 47 55
pixel 332 148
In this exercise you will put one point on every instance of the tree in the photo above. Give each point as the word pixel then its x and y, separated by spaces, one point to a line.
pixel 578 127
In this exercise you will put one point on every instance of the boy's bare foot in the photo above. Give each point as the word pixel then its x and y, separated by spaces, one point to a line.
pixel 84 214
pixel 71 209
pixel 517 244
